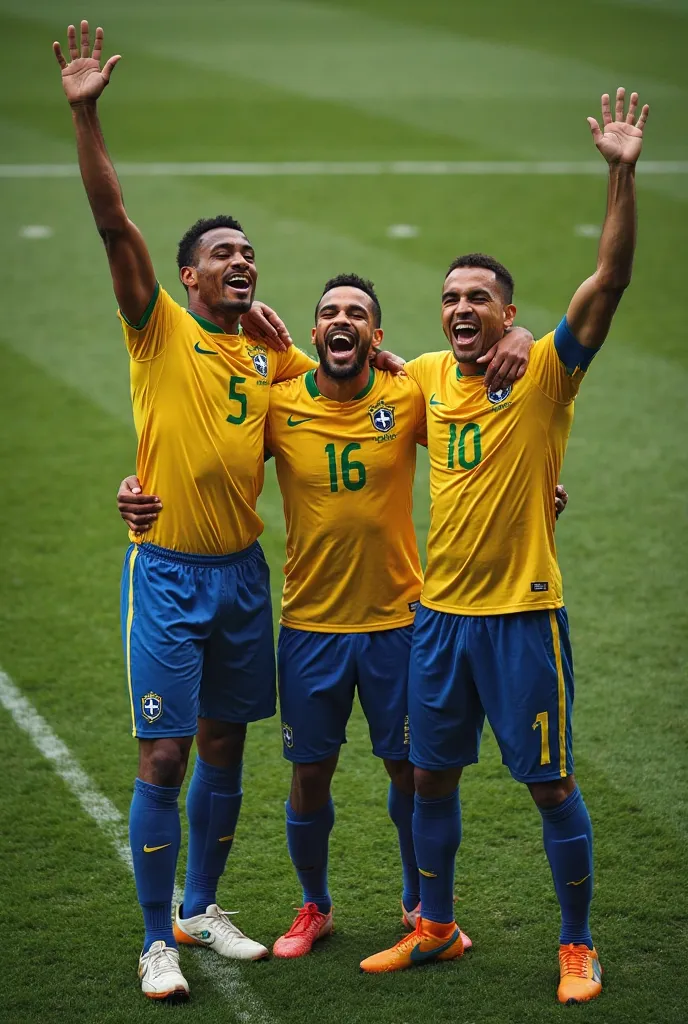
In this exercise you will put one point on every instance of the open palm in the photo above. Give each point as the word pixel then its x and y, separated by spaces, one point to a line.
pixel 82 78
pixel 620 140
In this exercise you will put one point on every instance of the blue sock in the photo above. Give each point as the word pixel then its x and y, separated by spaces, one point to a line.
pixel 436 836
pixel 154 836
pixel 212 807
pixel 567 835
pixel 308 840
pixel 400 807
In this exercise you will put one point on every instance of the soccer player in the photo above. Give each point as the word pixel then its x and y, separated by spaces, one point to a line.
pixel 196 611
pixel 491 635
pixel 344 440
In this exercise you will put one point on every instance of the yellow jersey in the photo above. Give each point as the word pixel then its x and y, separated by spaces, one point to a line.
pixel 494 464
pixel 200 399
pixel 346 471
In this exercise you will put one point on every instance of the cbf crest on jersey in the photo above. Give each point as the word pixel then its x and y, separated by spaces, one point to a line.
pixel 382 416
pixel 151 706
pixel 499 396
pixel 260 358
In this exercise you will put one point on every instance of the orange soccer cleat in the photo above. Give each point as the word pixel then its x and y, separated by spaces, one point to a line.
pixel 429 943
pixel 409 919
pixel 309 926
pixel 580 974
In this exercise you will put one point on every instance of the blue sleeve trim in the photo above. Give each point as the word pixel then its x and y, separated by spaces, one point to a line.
pixel 573 355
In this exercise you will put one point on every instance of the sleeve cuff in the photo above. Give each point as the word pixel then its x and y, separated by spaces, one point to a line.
pixel 147 313
pixel 572 354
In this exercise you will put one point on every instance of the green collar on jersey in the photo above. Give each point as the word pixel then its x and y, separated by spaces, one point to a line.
pixel 208 325
pixel 314 391
pixel 481 372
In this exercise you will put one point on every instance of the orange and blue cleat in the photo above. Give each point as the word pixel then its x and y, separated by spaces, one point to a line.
pixel 429 943
pixel 580 974
pixel 309 926
pixel 409 919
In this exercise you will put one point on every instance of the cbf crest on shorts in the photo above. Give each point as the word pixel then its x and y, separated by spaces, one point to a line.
pixel 151 706
pixel 287 735
pixel 382 416
pixel 260 359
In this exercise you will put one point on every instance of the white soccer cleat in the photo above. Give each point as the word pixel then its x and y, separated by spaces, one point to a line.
pixel 215 930
pixel 160 975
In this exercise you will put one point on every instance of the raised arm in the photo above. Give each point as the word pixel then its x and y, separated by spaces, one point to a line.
pixel 620 141
pixel 83 81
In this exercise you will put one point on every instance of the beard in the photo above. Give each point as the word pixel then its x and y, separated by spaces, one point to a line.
pixel 342 372
pixel 236 305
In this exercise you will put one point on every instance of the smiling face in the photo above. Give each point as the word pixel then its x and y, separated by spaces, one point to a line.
pixel 224 276
pixel 475 312
pixel 345 331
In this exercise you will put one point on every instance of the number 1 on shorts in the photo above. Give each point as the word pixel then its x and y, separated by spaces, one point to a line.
pixel 543 721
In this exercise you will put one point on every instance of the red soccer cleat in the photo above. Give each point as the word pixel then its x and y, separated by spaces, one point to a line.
pixel 309 926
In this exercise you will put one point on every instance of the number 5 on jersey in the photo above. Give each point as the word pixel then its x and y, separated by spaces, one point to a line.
pixel 235 395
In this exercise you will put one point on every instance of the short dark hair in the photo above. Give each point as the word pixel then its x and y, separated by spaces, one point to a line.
pixel 353 281
pixel 186 251
pixel 479 259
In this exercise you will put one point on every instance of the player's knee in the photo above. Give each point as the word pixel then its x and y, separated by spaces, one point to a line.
pixel 435 785
pixel 401 775
pixel 220 743
pixel 163 762
pixel 310 788
pixel 550 794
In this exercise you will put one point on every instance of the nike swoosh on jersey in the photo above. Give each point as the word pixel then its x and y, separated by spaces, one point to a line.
pixel 295 423
pixel 432 399
pixel 225 839
pixel 204 351
pixel 420 956
pixel 152 849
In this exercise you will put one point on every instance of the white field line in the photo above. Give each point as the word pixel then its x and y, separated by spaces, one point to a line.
pixel 300 168
pixel 246 1007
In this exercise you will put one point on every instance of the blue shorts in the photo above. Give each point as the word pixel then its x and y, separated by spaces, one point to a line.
pixel 517 669
pixel 198 640
pixel 318 676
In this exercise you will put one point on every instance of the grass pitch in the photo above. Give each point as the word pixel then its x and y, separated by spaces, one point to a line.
pixel 363 80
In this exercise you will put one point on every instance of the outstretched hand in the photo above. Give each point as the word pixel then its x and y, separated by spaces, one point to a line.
pixel 82 79
pixel 620 140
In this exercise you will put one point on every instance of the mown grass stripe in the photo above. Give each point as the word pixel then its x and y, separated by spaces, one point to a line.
pixel 225 975
pixel 346 168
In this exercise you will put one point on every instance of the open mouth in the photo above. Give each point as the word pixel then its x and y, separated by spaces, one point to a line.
pixel 238 282
pixel 465 330
pixel 341 343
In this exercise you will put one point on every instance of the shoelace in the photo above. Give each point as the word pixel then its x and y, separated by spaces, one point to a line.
pixel 409 940
pixel 224 925
pixel 163 961
pixel 306 917
pixel 574 960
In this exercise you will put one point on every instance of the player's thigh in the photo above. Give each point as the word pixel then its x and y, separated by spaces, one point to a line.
pixel 317 680
pixel 382 660
pixel 163 644
pixel 524 674
pixel 239 678
pixel 445 714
